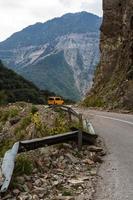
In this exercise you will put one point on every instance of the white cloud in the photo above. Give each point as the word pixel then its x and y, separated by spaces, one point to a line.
pixel 92 6
pixel 17 14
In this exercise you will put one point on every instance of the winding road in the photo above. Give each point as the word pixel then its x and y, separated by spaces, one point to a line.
pixel 116 173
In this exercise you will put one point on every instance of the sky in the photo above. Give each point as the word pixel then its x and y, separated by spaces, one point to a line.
pixel 18 14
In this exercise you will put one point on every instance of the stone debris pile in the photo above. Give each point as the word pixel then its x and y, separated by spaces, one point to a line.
pixel 61 173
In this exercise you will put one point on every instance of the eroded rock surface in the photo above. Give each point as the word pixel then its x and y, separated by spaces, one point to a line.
pixel 114 77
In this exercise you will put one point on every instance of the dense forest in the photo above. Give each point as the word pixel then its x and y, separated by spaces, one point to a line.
pixel 14 87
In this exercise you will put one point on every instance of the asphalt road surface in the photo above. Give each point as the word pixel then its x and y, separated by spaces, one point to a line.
pixel 116 173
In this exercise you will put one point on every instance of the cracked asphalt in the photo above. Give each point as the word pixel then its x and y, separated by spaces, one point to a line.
pixel 116 173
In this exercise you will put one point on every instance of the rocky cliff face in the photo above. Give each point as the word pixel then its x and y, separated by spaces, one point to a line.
pixel 113 84
pixel 59 55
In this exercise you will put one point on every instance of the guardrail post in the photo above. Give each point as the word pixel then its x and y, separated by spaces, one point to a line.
pixel 80 132
pixel 69 114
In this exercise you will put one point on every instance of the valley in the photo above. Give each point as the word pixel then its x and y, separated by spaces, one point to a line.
pixel 56 55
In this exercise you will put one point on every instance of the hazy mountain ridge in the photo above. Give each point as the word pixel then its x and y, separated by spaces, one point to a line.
pixel 76 35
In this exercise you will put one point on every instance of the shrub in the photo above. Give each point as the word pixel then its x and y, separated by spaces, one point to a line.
pixel 34 109
pixel 3 98
pixel 5 145
pixel 13 112
pixel 6 114
pixel 93 102
pixel 23 165
pixel 25 122
pixel 20 131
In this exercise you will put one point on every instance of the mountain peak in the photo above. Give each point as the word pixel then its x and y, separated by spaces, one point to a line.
pixel 39 33
pixel 79 14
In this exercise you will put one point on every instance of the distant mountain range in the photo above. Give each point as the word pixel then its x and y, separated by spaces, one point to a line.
pixel 59 55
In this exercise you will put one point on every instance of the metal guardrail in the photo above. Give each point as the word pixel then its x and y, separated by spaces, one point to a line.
pixel 84 124
pixel 85 134
pixel 67 109
pixel 8 166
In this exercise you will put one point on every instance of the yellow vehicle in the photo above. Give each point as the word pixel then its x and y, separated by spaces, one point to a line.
pixel 55 101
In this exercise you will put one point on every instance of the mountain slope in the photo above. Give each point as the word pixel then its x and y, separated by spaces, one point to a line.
pixel 14 88
pixel 113 85
pixel 48 78
pixel 74 36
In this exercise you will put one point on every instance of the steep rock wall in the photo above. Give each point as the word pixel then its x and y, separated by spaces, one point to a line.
pixel 113 83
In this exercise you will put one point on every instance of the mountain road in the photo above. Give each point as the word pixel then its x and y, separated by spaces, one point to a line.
pixel 115 180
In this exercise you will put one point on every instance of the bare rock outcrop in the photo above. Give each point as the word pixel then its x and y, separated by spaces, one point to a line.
pixel 113 83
